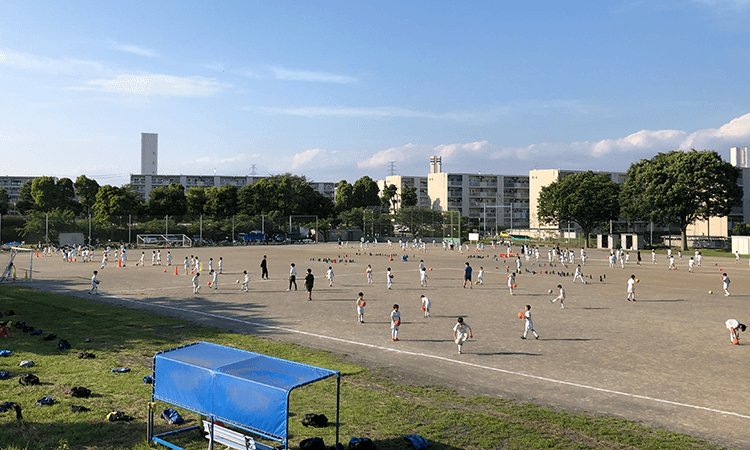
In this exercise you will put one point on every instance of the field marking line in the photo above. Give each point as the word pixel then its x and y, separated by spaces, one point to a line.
pixel 440 358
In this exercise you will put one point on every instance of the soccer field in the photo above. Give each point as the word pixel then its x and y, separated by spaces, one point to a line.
pixel 665 360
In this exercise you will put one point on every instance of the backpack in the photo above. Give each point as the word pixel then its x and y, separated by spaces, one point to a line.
pixel 86 355
pixel 7 406
pixel 148 379
pixel 315 443
pixel 20 324
pixel 315 420
pixel 28 379
pixel 4 375
pixel 63 345
pixel 356 443
pixel 5 352
pixel 80 392
pixel 171 416
pixel 49 337
pixel 26 363
pixel 416 441
pixel 76 408
pixel 45 401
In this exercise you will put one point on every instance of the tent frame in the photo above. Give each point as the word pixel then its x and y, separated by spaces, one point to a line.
pixel 212 418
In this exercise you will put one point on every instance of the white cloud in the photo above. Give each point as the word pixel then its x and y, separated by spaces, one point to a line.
pixel 304 158
pixel 134 49
pixel 385 111
pixel 153 84
pixel 317 77
pixel 52 66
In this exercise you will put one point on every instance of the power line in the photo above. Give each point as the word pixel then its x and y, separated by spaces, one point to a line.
pixel 391 168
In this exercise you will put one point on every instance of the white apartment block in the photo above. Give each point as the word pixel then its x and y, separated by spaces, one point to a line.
pixel 489 201
pixel 144 184
pixel 327 188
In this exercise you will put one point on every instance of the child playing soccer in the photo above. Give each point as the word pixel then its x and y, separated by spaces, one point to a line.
pixel 725 281
pixel 368 272
pixel 529 323
pixel 94 284
pixel 461 332
pixel 360 308
pixel 395 322
pixel 561 297
pixel 631 288
pixel 734 327
pixel 196 282
pixel 511 282
pixel 389 277
pixel 426 303
pixel 329 276
pixel 423 277
pixel 245 283
pixel 480 275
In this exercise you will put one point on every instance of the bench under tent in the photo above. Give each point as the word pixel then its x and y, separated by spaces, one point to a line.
pixel 245 390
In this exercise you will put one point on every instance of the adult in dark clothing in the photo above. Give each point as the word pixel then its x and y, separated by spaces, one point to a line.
pixel 264 269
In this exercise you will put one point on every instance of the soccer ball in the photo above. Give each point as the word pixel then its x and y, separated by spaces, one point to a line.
pixel 735 342
pixel 550 291
pixel 710 292
pixel 476 282
pixel 238 281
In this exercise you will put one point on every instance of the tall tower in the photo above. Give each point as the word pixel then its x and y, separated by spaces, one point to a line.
pixel 738 156
pixel 436 164
pixel 149 153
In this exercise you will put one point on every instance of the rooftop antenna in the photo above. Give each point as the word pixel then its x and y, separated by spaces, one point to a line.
pixel 391 168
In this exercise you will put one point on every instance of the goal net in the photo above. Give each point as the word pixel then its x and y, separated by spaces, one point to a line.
pixel 163 240
pixel 17 264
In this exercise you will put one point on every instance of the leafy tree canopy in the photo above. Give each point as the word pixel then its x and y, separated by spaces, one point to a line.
pixel 196 201
pixel 365 192
pixel 586 198
pixel 408 196
pixel 114 201
pixel 4 201
pixel 86 190
pixel 167 200
pixel 680 188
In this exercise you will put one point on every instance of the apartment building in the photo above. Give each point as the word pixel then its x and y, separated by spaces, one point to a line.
pixel 401 182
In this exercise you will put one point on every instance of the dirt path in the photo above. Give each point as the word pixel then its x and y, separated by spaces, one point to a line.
pixel 664 361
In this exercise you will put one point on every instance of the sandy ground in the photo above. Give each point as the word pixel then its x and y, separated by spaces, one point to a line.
pixel 665 361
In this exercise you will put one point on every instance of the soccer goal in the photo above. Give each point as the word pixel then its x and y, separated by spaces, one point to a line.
pixel 163 240
pixel 19 264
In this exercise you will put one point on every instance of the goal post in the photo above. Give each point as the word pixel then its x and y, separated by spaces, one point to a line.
pixel 163 240
pixel 17 268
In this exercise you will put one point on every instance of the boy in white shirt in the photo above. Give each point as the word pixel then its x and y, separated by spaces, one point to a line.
pixel 725 281
pixel 529 326
pixel 480 276
pixel 368 272
pixel 245 283
pixel 560 297
pixel 215 279
pixel 361 308
pixel 423 277
pixel 389 277
pixel 94 284
pixel 734 327
pixel 329 276
pixel 196 282
pixel 395 322
pixel 426 304
pixel 631 288
pixel 461 332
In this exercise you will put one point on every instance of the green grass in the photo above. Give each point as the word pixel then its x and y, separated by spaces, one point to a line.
pixel 371 405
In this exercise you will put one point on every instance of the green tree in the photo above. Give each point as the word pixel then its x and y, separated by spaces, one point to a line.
pixel 681 188
pixel 26 202
pixel 44 193
pixel 86 190
pixel 588 199
pixel 4 201
pixel 344 196
pixel 65 194
pixel 60 221
pixel 196 200
pixel 167 200
pixel 408 196
pixel 389 196
pixel 283 195
pixel 365 192
pixel 221 201
pixel 741 229
pixel 114 201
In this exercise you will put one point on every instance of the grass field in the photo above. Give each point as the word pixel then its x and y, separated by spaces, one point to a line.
pixel 371 406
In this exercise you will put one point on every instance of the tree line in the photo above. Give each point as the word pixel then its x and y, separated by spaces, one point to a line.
pixel 66 206
pixel 671 189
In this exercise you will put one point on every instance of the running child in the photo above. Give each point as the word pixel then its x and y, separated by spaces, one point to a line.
pixel 329 276
pixel 196 282
pixel 94 284
pixel 578 275
pixel 215 279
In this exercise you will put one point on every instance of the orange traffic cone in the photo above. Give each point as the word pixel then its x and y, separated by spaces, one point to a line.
pixel 391 258
pixel 175 271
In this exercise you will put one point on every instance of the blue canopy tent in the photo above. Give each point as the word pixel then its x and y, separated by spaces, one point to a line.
pixel 246 390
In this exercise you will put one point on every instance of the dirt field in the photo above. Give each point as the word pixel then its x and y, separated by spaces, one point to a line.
pixel 665 361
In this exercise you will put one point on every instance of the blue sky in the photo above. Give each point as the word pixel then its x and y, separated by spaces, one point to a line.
pixel 337 90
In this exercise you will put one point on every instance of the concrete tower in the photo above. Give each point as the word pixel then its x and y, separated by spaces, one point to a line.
pixel 149 153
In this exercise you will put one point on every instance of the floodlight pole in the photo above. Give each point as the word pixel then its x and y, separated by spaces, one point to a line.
pixel 167 228
pixel 232 229
pixel 130 225
pixel 46 228
pixel 200 232
pixel 89 229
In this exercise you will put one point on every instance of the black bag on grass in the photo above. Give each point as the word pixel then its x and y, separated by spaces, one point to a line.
pixel 63 345
pixel 29 379
pixel 80 392
pixel 356 443
pixel 76 408
pixel 45 401
pixel 4 375
pixel 86 355
pixel 49 337
pixel 315 420
pixel 171 416
pixel 118 416
pixel 315 443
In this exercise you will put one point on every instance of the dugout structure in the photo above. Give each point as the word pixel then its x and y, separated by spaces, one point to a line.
pixel 246 390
